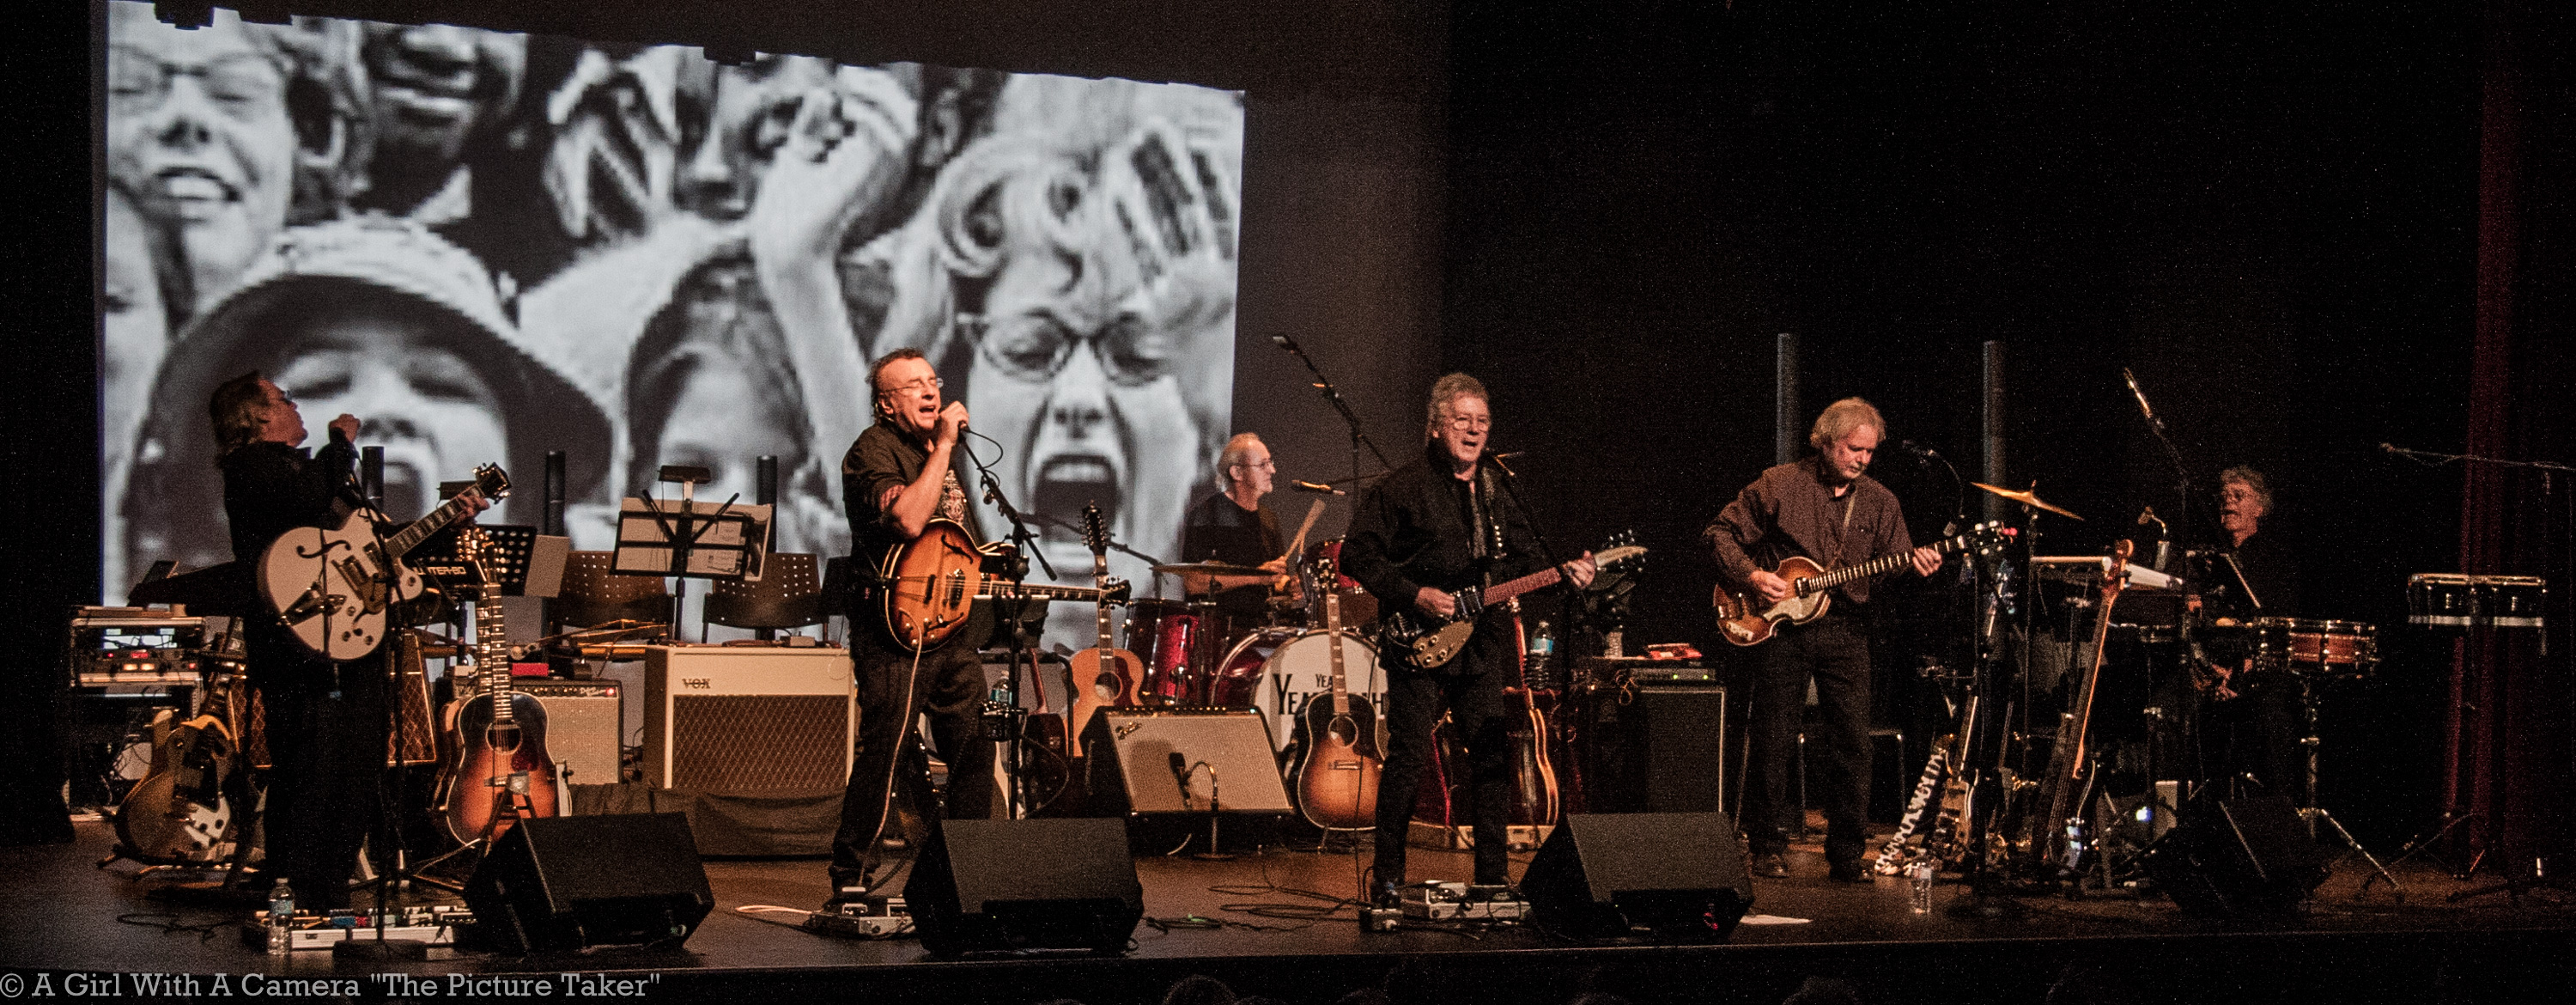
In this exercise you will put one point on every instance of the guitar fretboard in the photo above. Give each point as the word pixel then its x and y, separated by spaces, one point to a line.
pixel 1883 563
pixel 410 537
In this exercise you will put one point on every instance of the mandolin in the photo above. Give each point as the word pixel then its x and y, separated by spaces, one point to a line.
pixel 501 773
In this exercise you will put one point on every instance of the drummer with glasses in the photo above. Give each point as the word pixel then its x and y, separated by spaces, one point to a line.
pixel 1234 527
pixel 2255 722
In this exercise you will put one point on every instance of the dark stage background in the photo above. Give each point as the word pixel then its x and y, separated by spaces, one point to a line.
pixel 2268 213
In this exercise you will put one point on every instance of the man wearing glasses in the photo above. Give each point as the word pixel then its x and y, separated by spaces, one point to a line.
pixel 1235 528
pixel 1437 525
pixel 897 478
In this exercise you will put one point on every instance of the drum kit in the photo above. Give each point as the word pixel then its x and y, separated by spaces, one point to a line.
pixel 1198 655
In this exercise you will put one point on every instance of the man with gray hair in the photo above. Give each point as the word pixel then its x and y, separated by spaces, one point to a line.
pixel 1234 527
pixel 1822 508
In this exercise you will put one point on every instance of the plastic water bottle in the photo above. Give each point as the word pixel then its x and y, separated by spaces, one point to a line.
pixel 1921 872
pixel 281 919
pixel 1542 645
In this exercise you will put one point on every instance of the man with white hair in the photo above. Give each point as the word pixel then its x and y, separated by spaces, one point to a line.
pixel 1235 528
pixel 1823 508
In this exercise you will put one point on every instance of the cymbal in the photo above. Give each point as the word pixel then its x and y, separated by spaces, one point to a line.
pixel 1212 569
pixel 2026 497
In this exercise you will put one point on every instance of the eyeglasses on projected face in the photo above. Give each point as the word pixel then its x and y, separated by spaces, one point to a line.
pixel 245 85
pixel 1036 347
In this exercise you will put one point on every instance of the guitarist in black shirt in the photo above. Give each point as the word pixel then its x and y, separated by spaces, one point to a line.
pixel 1432 527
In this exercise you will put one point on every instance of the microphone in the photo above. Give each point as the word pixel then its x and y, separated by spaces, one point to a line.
pixel 2143 408
pixel 1181 774
pixel 1302 485
pixel 1287 343
pixel 1917 449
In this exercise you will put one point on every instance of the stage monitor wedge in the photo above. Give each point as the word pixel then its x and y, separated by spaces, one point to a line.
pixel 555 884
pixel 1007 885
pixel 1669 877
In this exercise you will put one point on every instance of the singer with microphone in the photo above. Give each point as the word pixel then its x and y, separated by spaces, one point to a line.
pixel 1823 508
pixel 898 476
pixel 1427 530
pixel 1236 528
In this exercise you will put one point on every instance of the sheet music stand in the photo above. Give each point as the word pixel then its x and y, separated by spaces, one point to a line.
pixel 690 540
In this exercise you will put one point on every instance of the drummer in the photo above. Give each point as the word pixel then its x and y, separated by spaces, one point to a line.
pixel 1234 527
pixel 2254 730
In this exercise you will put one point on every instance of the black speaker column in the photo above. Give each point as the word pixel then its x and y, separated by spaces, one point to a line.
pixel 1025 884
pixel 568 883
pixel 1673 877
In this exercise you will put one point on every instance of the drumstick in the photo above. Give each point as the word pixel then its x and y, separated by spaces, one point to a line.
pixel 1299 542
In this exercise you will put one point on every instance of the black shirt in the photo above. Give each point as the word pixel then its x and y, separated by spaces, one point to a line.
pixel 271 488
pixel 1422 526
pixel 2270 568
pixel 1220 531
pixel 880 461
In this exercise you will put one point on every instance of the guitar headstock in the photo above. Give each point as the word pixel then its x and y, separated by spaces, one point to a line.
pixel 1095 533
pixel 471 546
pixel 2118 573
pixel 1985 538
pixel 1113 591
pixel 492 482
pixel 1619 552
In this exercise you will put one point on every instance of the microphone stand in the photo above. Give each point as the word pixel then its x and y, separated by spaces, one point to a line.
pixel 1333 396
pixel 2182 472
pixel 1003 724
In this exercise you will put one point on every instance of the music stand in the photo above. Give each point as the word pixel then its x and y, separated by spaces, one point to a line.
pixel 691 540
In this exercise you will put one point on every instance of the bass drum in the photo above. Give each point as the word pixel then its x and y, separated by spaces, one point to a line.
pixel 1279 672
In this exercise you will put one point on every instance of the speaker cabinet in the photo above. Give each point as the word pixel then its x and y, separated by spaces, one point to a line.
pixel 1227 755
pixel 1662 751
pixel 1673 877
pixel 740 719
pixel 569 883
pixel 582 722
pixel 979 887
pixel 2237 857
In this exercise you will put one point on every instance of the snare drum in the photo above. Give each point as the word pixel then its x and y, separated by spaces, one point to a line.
pixel 2325 648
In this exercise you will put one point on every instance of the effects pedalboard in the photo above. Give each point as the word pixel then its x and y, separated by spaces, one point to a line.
pixel 873 918
pixel 436 925
pixel 1445 904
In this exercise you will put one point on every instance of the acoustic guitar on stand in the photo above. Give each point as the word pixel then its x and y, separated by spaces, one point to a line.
pixel 1104 676
pixel 1337 781
pixel 1746 620
pixel 502 773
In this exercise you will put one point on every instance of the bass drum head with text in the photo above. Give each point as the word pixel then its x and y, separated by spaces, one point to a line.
pixel 1300 670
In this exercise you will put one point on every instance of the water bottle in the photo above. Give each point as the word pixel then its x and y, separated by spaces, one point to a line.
pixel 281 919
pixel 1921 873
pixel 1542 644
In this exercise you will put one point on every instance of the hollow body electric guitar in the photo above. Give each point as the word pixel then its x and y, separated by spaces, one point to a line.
pixel 502 773
pixel 331 587
pixel 1427 641
pixel 1337 782
pixel 1104 676
pixel 933 581
pixel 1745 620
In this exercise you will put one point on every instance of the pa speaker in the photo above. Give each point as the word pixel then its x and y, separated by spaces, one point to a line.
pixel 570 883
pixel 2238 857
pixel 1672 877
pixel 1025 884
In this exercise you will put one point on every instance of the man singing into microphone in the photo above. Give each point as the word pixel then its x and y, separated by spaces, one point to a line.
pixel 895 479
pixel 1825 509
pixel 1433 527
pixel 1236 528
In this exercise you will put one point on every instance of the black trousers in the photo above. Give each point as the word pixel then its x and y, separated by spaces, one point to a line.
pixel 326 744
pixel 2257 734
pixel 1470 691
pixel 947 683
pixel 1834 650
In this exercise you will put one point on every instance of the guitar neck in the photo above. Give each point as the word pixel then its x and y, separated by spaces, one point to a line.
pixel 1883 563
pixel 1005 590
pixel 1510 588
pixel 410 537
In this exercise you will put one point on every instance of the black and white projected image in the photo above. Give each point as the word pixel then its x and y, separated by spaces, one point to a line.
pixel 488 246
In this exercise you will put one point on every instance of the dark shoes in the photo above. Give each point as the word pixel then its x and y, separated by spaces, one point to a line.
pixel 1848 871
pixel 1770 864
pixel 1384 894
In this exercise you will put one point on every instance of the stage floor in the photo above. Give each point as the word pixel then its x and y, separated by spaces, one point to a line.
pixel 60 914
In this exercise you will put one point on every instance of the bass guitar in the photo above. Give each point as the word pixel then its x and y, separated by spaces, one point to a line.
pixel 1104 676
pixel 1337 781
pixel 1745 619
pixel 1427 641
pixel 2069 760
pixel 502 773
pixel 933 581
pixel 330 588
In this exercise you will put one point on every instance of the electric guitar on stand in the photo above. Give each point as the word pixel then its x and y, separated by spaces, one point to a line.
pixel 331 587
pixel 1104 676
pixel 2058 837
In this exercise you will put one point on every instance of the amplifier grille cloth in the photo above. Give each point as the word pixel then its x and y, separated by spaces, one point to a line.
pixel 751 743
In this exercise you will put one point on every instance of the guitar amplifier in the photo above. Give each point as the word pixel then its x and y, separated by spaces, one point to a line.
pixel 582 724
pixel 745 719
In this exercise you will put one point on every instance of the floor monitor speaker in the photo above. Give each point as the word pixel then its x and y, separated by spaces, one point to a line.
pixel 979 887
pixel 1672 877
pixel 571 883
